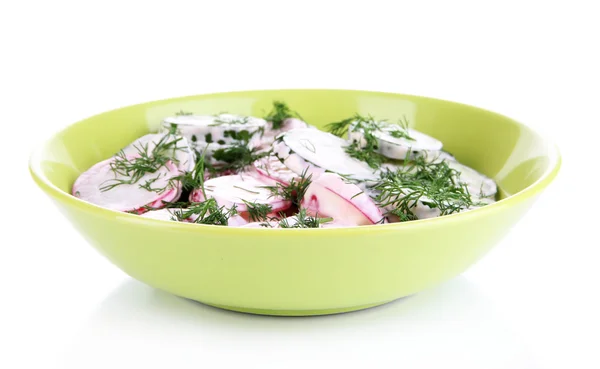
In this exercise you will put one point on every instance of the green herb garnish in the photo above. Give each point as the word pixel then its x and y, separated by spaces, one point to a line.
pixel 258 212
pixel 366 147
pixel 279 114
pixel 237 157
pixel 294 191
pixel 206 212
pixel 146 161
pixel 194 178
pixel 219 121
pixel 432 184
pixel 304 221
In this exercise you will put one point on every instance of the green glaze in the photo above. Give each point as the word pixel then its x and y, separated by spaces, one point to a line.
pixel 302 271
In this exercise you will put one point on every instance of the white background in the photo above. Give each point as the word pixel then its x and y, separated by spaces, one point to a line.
pixel 531 303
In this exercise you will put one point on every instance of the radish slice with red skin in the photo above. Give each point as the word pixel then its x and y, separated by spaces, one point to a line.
pixel 331 196
pixel 232 190
pixel 271 170
pixel 182 153
pixel 171 196
pixel 171 215
pixel 162 214
pixel 291 221
pixel 90 186
pixel 236 221
pixel 271 224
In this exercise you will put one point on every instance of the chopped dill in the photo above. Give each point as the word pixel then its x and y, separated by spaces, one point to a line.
pixel 194 178
pixel 304 221
pixel 219 120
pixel 365 144
pixel 308 145
pixel 258 212
pixel 237 157
pixel 206 212
pixel 181 112
pixel 247 190
pixel 294 191
pixel 148 185
pixel 433 184
pixel 279 113
pixel 146 161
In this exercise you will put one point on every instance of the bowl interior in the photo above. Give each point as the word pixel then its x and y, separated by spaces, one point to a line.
pixel 512 154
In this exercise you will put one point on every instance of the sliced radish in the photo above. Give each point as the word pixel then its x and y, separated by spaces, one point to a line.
pixel 292 221
pixel 181 153
pixel 397 147
pixel 287 125
pixel 270 224
pixel 478 184
pixel 234 189
pixel 162 214
pixel 272 171
pixel 92 186
pixel 438 157
pixel 222 129
pixel 236 221
pixel 329 195
pixel 309 148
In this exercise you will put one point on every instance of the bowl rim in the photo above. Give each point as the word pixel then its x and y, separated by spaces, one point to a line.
pixel 56 193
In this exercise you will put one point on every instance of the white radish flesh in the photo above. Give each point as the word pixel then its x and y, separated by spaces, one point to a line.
pixel 322 150
pixel 329 195
pixel 91 186
pixel 235 189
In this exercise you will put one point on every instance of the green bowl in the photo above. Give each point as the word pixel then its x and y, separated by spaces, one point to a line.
pixel 302 271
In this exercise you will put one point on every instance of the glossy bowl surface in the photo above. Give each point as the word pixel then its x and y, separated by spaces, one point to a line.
pixel 302 271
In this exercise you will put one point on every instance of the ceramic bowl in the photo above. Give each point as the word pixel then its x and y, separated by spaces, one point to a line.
pixel 302 271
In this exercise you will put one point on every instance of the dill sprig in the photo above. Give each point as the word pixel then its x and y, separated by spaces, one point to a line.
pixel 195 178
pixel 366 146
pixel 147 185
pixel 433 184
pixel 303 220
pixel 206 212
pixel 219 121
pixel 237 157
pixel 294 191
pixel 258 212
pixel 400 130
pixel 279 113
pixel 365 149
pixel 146 161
